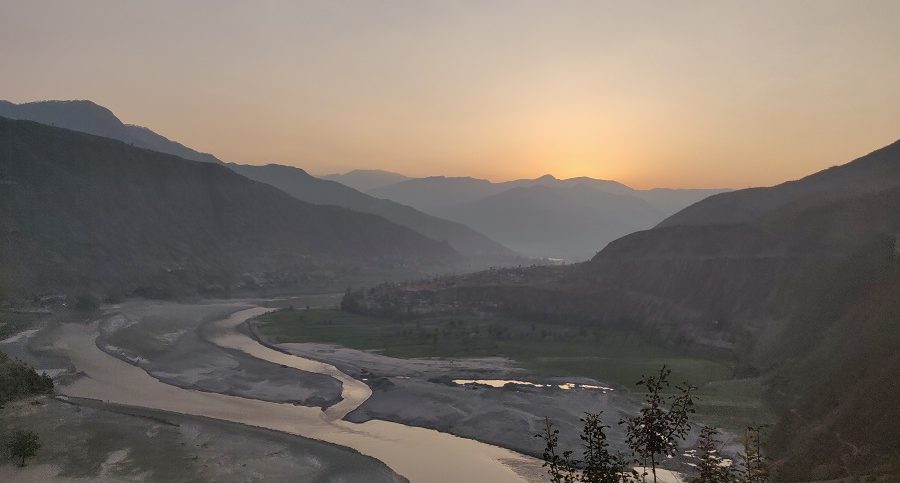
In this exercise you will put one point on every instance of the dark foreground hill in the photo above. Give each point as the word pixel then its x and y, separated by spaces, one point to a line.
pixel 798 283
pixel 88 214
pixel 86 116
pixel 872 172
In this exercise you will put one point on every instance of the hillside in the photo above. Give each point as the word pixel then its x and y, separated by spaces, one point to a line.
pixel 804 295
pixel 872 172
pixel 88 214
pixel 85 116
pixel 834 367
pixel 297 183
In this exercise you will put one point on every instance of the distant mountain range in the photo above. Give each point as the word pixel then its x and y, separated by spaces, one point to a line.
pixel 798 283
pixel 540 218
pixel 366 179
pixel 296 182
pixel 91 118
pixel 566 221
pixel 84 214
pixel 546 216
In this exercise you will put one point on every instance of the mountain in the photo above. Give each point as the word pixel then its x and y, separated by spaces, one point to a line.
pixel 366 179
pixel 798 284
pixel 88 214
pixel 544 217
pixel 435 192
pixel 872 172
pixel 552 220
pixel 296 182
pixel 85 116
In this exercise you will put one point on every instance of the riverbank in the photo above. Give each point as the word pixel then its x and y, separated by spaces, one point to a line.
pixel 417 453
pixel 94 441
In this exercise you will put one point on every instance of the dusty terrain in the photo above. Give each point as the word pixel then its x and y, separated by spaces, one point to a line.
pixel 94 441
pixel 168 340
pixel 199 360
pixel 418 453
pixel 421 392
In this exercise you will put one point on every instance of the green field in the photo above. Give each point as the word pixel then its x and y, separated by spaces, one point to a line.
pixel 555 350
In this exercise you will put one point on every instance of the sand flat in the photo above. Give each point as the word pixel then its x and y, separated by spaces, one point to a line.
pixel 416 453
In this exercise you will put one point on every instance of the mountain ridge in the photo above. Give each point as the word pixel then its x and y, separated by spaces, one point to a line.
pixel 87 116
pixel 365 179
pixel 89 214
pixel 746 205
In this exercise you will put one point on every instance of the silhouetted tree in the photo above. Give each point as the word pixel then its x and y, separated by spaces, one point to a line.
pixel 22 445
pixel 560 467
pixel 598 466
pixel 654 433
pixel 712 466
pixel 755 464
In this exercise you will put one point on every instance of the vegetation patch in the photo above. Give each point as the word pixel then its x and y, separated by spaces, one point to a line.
pixel 18 380
pixel 616 358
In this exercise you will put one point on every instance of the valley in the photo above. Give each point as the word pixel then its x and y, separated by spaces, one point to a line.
pixel 101 377
pixel 513 241
pixel 547 351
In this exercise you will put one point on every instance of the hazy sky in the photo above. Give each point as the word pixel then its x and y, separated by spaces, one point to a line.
pixel 683 94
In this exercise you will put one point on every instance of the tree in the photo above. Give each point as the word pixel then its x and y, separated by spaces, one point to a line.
pixel 654 434
pixel 22 445
pixel 598 466
pixel 712 466
pixel 560 467
pixel 755 464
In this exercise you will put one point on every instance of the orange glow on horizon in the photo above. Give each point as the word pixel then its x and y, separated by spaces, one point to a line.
pixel 651 94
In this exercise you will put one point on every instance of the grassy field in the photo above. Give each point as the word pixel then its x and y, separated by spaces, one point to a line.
pixel 615 358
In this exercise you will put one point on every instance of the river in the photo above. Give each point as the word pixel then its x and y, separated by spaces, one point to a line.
pixel 419 454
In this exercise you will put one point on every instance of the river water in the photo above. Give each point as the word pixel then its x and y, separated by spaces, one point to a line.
pixel 420 454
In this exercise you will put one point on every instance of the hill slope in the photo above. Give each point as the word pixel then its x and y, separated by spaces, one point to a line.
pixel 872 172
pixel 85 116
pixel 83 213
pixel 804 291
pixel 296 182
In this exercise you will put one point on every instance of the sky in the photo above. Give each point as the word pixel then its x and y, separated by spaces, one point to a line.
pixel 652 94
